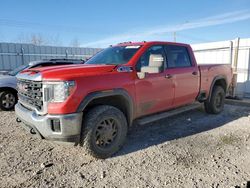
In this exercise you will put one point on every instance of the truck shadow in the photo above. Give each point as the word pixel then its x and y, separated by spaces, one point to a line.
pixel 176 127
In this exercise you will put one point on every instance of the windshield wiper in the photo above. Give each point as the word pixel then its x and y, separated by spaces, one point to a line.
pixel 111 64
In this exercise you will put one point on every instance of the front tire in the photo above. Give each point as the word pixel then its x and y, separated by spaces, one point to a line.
pixel 217 101
pixel 104 131
pixel 8 100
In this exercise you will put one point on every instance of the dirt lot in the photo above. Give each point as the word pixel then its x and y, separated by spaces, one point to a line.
pixel 189 150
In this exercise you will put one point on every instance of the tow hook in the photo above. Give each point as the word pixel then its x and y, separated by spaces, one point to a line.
pixel 18 120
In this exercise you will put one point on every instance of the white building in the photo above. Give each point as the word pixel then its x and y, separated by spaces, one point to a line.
pixel 227 52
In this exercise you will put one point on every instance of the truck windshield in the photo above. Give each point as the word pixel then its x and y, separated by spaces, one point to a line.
pixel 114 55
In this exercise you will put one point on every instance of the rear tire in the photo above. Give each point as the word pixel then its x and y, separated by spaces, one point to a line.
pixel 104 131
pixel 217 101
pixel 8 99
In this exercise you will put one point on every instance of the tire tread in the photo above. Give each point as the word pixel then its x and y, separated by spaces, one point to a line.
pixel 89 124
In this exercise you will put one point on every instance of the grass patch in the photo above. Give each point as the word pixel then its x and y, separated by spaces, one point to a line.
pixel 229 139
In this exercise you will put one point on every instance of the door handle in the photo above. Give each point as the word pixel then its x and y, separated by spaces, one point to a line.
pixel 168 76
pixel 194 73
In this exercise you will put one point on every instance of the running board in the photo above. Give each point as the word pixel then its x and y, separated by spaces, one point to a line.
pixel 156 117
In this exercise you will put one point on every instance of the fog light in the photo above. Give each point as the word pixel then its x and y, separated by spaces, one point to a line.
pixel 55 125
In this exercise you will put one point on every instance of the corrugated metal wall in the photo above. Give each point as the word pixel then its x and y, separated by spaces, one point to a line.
pixel 13 55
pixel 223 52
pixel 216 55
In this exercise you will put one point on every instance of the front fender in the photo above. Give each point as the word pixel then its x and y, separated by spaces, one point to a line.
pixel 114 92
pixel 7 85
pixel 10 82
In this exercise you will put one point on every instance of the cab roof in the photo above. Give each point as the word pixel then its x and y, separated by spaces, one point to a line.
pixel 149 43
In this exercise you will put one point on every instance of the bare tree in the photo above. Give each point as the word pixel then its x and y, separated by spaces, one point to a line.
pixel 55 40
pixel 37 39
pixel 22 38
pixel 75 43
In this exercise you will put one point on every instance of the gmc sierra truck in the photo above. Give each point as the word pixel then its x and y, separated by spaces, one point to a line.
pixel 93 104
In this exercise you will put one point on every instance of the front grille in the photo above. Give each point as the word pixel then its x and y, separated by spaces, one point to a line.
pixel 30 93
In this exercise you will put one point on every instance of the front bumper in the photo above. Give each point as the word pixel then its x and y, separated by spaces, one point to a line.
pixel 69 124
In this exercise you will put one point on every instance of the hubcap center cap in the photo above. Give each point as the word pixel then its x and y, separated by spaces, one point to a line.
pixel 106 132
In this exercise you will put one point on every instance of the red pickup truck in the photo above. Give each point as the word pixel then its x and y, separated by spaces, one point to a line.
pixel 93 104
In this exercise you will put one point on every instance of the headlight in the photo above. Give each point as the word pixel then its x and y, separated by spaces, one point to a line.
pixel 58 91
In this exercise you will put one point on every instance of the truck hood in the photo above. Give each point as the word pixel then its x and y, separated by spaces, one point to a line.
pixel 66 72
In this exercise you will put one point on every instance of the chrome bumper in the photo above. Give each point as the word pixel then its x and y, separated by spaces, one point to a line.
pixel 69 124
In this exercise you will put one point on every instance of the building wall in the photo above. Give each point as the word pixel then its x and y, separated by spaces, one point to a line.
pixel 13 55
pixel 224 52
pixel 213 53
pixel 243 68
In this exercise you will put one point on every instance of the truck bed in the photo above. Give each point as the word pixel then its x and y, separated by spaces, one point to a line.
pixel 210 72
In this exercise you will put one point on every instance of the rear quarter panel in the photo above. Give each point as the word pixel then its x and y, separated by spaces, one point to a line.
pixel 209 73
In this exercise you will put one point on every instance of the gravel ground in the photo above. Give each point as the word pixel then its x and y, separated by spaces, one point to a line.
pixel 193 149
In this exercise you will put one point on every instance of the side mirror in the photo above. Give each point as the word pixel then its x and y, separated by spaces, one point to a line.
pixel 156 60
pixel 141 75
pixel 155 65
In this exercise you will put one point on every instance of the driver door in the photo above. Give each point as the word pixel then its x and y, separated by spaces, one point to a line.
pixel 155 92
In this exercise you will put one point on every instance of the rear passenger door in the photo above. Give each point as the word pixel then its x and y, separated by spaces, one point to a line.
pixel 184 73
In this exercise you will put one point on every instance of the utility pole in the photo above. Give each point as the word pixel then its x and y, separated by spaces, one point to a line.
pixel 174 36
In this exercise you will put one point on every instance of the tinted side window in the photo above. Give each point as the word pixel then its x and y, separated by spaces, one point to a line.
pixel 177 56
pixel 144 59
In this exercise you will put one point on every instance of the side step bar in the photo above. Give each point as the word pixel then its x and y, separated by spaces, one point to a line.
pixel 156 117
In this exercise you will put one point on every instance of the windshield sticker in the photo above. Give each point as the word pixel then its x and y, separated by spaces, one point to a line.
pixel 132 47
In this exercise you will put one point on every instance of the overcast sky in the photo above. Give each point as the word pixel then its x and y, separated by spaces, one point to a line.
pixel 99 23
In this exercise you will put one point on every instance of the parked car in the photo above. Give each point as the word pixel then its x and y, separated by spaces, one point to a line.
pixel 8 81
pixel 4 72
pixel 94 104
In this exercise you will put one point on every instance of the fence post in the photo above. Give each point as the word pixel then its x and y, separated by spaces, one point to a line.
pixel 231 53
pixel 66 52
pixel 235 66
pixel 248 72
pixel 22 52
